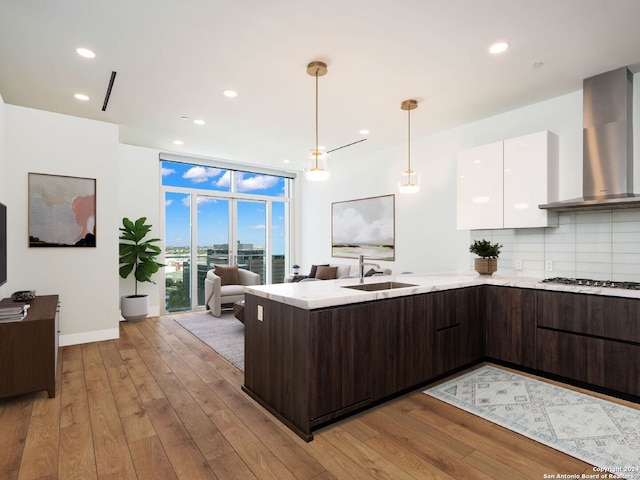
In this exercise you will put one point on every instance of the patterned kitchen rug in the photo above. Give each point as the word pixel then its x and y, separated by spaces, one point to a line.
pixel 601 433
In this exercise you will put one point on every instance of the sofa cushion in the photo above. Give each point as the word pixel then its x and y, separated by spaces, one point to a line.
pixel 228 275
pixel 314 269
pixel 228 290
pixel 343 271
pixel 326 273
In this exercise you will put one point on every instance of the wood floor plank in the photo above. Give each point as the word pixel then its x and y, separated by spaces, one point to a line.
pixel 441 451
pixel 231 467
pixel 184 455
pixel 77 452
pixel 14 424
pixel 40 458
pixel 262 462
pixel 159 403
pixel 288 447
pixel 76 449
pixel 150 459
pixel 111 451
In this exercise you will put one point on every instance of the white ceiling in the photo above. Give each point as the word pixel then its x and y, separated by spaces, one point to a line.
pixel 174 58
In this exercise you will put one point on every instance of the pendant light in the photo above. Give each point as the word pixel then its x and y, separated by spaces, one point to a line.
pixel 316 166
pixel 409 181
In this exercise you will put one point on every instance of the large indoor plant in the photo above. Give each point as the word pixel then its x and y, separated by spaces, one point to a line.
pixel 137 255
pixel 488 253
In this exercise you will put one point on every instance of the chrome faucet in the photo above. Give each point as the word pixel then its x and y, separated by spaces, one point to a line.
pixel 361 265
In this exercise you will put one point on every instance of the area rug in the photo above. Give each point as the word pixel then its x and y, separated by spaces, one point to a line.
pixel 224 334
pixel 601 433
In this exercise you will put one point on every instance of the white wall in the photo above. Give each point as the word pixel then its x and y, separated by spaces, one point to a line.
pixel 86 279
pixel 426 235
pixel 139 196
pixel 4 289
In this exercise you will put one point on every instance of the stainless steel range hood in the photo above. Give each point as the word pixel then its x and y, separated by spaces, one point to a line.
pixel 607 141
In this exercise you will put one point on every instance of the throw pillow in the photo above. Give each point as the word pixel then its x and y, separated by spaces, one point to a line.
pixel 326 273
pixel 314 269
pixel 228 275
pixel 371 273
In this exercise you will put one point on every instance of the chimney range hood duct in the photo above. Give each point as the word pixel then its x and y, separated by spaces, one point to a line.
pixel 607 142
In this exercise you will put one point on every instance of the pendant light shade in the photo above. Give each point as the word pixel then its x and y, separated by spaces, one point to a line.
pixel 316 165
pixel 409 180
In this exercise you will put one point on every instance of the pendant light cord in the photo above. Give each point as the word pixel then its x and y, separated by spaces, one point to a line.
pixel 316 151
pixel 409 145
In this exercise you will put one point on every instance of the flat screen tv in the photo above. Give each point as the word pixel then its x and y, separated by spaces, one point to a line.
pixel 3 244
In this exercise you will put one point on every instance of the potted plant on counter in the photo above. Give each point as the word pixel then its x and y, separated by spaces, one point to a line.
pixel 139 256
pixel 296 269
pixel 488 253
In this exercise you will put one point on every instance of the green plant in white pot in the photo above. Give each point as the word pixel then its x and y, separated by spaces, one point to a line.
pixel 137 255
pixel 488 253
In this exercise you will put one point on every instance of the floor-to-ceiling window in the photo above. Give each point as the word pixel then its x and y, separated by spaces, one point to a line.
pixel 221 216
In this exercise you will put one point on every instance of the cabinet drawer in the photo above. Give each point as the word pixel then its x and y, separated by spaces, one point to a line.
pixel 600 316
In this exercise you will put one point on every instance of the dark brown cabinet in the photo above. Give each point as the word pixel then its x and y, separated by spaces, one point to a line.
pixel 458 321
pixel 309 367
pixel 29 350
pixel 312 366
pixel 590 338
pixel 510 321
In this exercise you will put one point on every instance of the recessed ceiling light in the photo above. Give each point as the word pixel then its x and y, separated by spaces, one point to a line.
pixel 364 131
pixel 81 96
pixel 178 142
pixel 498 47
pixel 85 52
pixel 199 122
pixel 184 117
pixel 286 160
pixel 230 93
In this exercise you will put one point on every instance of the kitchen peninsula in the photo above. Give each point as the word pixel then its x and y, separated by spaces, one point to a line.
pixel 318 351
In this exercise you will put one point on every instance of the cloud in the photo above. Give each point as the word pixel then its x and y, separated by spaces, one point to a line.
pixel 167 171
pixel 201 174
pixel 168 202
pixel 255 182
pixel 224 181
pixel 257 227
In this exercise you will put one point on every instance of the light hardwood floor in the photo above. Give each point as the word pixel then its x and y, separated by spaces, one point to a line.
pixel 159 404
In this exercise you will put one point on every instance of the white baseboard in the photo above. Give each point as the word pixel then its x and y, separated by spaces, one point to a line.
pixel 88 337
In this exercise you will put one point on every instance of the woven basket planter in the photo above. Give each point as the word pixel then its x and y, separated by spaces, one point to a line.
pixel 486 266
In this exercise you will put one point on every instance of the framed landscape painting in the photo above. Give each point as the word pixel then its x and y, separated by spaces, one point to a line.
pixel 364 227
pixel 62 211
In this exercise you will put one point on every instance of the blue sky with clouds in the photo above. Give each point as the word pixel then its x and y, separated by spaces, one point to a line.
pixel 213 213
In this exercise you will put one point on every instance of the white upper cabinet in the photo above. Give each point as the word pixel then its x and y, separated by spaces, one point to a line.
pixel 530 179
pixel 500 185
pixel 480 187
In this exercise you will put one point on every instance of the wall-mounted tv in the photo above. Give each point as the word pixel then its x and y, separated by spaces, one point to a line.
pixel 3 244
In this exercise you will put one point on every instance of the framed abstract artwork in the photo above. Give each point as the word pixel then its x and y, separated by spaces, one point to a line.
pixel 364 227
pixel 62 211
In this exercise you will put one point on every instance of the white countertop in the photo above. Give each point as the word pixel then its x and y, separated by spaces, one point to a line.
pixel 331 293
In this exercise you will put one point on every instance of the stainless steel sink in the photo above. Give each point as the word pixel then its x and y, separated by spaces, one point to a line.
pixel 374 287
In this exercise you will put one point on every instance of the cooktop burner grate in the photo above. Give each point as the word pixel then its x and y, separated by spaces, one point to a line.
pixel 586 282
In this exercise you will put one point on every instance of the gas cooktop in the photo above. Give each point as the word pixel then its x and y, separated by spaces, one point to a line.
pixel 586 282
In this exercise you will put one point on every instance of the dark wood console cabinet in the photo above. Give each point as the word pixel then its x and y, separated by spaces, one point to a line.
pixel 29 350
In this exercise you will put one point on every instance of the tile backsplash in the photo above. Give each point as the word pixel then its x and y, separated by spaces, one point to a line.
pixel 603 245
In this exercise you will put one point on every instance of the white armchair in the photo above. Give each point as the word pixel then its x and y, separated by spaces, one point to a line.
pixel 216 294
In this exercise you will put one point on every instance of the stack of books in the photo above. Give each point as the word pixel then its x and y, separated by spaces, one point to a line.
pixel 13 312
